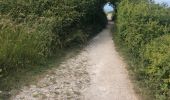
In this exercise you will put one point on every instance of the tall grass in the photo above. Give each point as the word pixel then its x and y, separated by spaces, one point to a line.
pixel 32 31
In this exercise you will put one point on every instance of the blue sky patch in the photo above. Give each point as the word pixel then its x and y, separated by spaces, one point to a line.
pixel 163 1
pixel 108 7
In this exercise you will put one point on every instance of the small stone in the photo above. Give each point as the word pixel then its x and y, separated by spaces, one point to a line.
pixel 41 85
pixel 57 92
pixel 77 93
pixel 0 92
pixel 33 86
pixel 35 94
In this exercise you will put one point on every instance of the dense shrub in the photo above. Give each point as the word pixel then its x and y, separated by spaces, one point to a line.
pixel 143 27
pixel 32 30
pixel 157 68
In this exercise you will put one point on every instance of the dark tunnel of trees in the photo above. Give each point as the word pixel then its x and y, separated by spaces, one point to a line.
pixel 49 24
pixel 32 31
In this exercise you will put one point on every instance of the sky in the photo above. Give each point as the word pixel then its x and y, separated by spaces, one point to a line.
pixel 161 1
pixel 108 8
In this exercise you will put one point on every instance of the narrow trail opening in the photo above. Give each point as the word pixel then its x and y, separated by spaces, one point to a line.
pixel 97 73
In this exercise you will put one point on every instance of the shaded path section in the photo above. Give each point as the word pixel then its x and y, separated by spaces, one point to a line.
pixel 65 82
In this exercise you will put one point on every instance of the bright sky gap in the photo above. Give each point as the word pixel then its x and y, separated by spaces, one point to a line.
pixel 109 8
pixel 162 1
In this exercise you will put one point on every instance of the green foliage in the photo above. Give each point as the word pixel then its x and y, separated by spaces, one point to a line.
pixel 32 30
pixel 157 69
pixel 143 28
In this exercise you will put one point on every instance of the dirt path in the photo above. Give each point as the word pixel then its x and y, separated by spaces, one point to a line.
pixel 97 73
pixel 109 77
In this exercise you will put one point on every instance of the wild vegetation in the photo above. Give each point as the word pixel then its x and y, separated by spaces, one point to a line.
pixel 144 29
pixel 32 31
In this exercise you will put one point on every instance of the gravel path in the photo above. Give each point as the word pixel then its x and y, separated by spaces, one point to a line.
pixel 97 73
pixel 63 83
pixel 109 77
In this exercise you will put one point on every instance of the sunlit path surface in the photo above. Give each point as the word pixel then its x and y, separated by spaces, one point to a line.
pixel 109 77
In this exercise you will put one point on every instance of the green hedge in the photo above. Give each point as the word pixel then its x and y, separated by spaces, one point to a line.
pixel 143 28
pixel 157 66
pixel 32 30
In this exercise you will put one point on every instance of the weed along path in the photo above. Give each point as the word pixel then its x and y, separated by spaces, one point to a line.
pixel 97 73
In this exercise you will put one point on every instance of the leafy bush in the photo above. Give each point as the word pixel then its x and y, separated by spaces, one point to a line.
pixel 157 69
pixel 143 27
